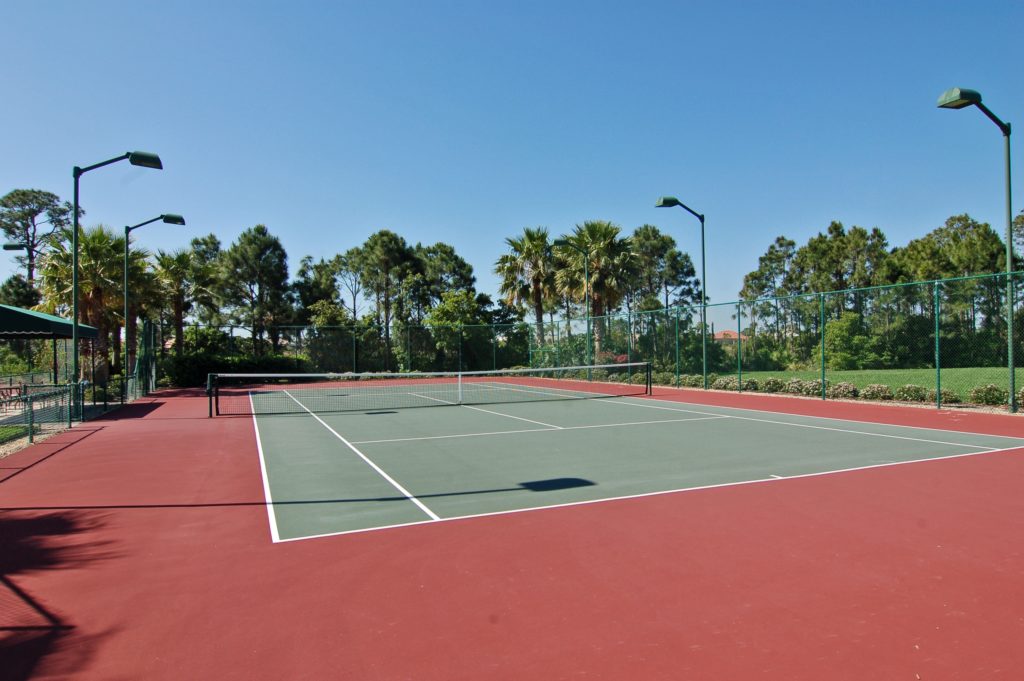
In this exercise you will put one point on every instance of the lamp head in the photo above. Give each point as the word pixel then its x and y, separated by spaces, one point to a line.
pixel 145 159
pixel 667 202
pixel 172 219
pixel 958 98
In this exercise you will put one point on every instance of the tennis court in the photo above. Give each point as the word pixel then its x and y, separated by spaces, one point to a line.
pixel 354 455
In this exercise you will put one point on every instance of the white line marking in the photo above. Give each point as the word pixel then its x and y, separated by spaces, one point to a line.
pixel 371 464
pixel 271 515
pixel 808 425
pixel 535 430
pixel 658 493
pixel 488 411
pixel 832 418
pixel 777 477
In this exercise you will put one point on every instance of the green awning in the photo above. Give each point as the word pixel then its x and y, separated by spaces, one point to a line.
pixel 20 324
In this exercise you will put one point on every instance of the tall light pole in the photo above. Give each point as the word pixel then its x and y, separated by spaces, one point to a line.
pixel 565 243
pixel 136 158
pixel 959 98
pixel 669 202
pixel 171 219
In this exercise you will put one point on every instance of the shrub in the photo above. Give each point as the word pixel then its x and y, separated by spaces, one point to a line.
pixel 712 377
pixel 812 388
pixel 726 383
pixel 877 391
pixel 842 391
pixel 773 385
pixel 663 378
pixel 989 394
pixel 1020 396
pixel 751 384
pixel 948 396
pixel 599 374
pixel 191 368
pixel 639 378
pixel 794 386
pixel 911 393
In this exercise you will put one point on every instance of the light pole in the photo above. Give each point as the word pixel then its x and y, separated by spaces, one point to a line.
pixel 171 219
pixel 959 98
pixel 136 158
pixel 565 243
pixel 669 202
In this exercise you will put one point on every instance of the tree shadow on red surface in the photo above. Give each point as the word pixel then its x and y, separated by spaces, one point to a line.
pixel 36 639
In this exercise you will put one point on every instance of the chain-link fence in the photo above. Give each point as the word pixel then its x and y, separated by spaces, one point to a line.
pixel 942 342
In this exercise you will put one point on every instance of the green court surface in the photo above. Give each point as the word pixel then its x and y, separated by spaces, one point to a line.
pixel 340 472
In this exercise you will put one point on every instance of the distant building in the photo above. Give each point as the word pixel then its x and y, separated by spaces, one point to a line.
pixel 729 336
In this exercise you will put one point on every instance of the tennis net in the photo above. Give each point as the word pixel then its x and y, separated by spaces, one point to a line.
pixel 246 394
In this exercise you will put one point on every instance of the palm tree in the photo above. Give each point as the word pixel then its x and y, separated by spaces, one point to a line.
pixel 527 273
pixel 609 268
pixel 173 271
pixel 100 271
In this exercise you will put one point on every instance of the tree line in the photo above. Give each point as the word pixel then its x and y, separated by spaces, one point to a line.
pixel 387 284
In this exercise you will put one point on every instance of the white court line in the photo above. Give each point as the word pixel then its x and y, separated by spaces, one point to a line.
pixel 807 425
pixel 535 430
pixel 488 411
pixel 826 418
pixel 271 515
pixel 658 493
pixel 371 464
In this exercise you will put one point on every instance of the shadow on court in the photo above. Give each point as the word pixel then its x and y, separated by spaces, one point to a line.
pixel 34 639
pixel 552 485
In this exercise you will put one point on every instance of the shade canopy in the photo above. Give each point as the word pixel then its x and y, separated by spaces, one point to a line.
pixel 19 324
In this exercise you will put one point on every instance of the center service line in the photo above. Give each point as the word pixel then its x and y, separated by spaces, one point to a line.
pixel 371 464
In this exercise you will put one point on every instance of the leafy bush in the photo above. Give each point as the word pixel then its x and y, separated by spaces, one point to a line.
pixel 751 384
pixel 812 388
pixel 911 393
pixel 989 394
pixel 877 391
pixel 1020 397
pixel 773 385
pixel 691 380
pixel 726 383
pixel 663 378
pixel 842 391
pixel 599 374
pixel 794 386
pixel 638 378
pixel 191 369
pixel 948 396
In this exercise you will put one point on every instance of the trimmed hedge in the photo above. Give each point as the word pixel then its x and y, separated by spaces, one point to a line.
pixel 191 369
pixel 877 391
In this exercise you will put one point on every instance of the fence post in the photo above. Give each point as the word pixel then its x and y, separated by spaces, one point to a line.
pixel 821 314
pixel 460 348
pixel 31 426
pixel 494 348
pixel 938 355
pixel 677 346
pixel 1009 335
pixel 739 346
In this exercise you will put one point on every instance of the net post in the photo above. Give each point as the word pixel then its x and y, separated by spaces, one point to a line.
pixel 647 369
pixel 209 393
pixel 459 375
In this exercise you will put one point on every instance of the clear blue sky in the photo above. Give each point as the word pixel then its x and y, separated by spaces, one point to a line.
pixel 466 121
